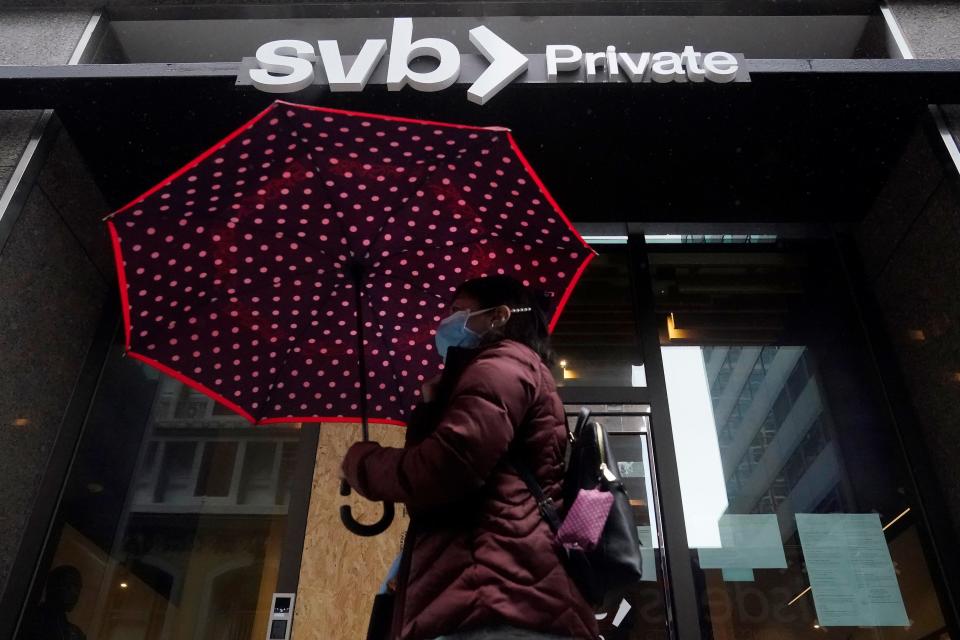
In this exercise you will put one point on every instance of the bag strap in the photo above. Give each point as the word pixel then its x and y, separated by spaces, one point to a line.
pixel 582 420
pixel 605 471
pixel 544 504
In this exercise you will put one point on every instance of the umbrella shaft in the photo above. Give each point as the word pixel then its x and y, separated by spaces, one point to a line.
pixel 361 362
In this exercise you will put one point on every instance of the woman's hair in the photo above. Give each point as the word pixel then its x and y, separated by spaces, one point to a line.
pixel 527 327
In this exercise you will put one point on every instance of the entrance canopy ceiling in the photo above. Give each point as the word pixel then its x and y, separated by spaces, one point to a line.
pixel 788 146
pixel 755 36
pixel 811 137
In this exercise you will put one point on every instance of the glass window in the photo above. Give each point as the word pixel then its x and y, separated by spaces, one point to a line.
pixel 172 521
pixel 767 354
pixel 176 478
pixel 781 406
pixel 259 478
pixel 216 468
pixel 798 379
pixel 596 337
pixel 793 532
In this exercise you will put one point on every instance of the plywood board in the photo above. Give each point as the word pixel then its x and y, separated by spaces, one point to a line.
pixel 340 572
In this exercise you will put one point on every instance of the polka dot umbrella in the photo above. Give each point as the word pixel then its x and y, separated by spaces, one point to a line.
pixel 295 271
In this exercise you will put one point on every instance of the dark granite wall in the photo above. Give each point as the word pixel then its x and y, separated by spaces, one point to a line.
pixel 910 243
pixel 931 27
pixel 51 291
pixel 15 128
pixel 53 295
pixel 32 36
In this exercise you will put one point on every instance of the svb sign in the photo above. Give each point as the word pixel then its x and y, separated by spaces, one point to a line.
pixel 284 66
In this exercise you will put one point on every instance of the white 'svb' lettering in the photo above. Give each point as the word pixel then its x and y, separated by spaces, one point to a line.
pixel 285 66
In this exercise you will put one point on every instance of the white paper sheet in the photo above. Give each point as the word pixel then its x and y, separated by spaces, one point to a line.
pixel 647 554
pixel 737 575
pixel 851 574
pixel 749 541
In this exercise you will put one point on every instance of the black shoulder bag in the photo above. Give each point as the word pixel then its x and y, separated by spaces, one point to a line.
pixel 615 563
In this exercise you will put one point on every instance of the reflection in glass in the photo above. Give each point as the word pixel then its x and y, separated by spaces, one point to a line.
pixel 766 377
pixel 595 339
pixel 638 613
pixel 776 439
pixel 698 456
pixel 173 517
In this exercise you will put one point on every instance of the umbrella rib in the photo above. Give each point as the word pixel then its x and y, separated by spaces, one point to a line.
pixel 379 260
pixel 343 231
pixel 376 238
pixel 226 218
pixel 383 346
pixel 272 386
pixel 412 186
pixel 418 285
pixel 340 223
pixel 305 241
pixel 445 247
pixel 217 295
pixel 343 234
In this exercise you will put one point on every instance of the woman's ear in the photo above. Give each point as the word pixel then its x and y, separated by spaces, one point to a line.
pixel 501 315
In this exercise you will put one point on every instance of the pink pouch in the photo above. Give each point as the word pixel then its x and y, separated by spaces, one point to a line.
pixel 585 519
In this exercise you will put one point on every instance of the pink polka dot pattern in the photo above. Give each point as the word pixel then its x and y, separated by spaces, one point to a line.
pixel 235 271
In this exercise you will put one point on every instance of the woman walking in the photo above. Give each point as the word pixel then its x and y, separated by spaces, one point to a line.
pixel 479 561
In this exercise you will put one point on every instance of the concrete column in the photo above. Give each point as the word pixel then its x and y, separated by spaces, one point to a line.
pixel 932 29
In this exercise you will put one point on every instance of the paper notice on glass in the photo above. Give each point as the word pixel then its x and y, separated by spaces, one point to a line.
pixel 737 575
pixel 851 573
pixel 748 542
pixel 647 554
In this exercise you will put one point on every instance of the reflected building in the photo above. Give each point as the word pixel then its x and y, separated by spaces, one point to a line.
pixel 196 544
pixel 773 429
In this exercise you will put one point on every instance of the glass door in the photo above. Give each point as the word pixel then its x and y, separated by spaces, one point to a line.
pixel 638 613
pixel 773 497
pixel 800 515
pixel 600 364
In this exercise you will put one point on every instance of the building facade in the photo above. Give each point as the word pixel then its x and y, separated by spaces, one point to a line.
pixel 770 330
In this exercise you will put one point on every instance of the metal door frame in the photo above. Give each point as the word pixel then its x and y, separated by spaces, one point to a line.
pixel 681 596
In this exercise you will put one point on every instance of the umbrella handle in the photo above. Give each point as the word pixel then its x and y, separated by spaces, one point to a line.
pixel 358 528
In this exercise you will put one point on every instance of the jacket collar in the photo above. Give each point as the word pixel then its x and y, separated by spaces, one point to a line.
pixel 457 360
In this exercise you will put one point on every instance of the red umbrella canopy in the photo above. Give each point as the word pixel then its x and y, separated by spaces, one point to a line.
pixel 239 273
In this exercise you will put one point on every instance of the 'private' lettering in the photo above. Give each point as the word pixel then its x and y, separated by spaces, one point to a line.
pixel 662 66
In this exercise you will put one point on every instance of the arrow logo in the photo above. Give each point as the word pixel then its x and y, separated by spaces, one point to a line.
pixel 506 63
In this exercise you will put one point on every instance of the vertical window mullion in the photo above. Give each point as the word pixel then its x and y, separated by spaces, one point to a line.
pixel 683 608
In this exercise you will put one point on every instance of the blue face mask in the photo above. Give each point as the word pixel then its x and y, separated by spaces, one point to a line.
pixel 453 332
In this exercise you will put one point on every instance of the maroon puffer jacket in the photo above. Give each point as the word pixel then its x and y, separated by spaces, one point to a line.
pixel 478 553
